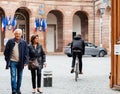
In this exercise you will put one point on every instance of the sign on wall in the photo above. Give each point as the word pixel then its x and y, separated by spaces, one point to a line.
pixel 117 49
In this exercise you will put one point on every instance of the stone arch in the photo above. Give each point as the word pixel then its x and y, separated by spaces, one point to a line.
pixel 22 15
pixel 2 34
pixel 55 29
pixel 80 24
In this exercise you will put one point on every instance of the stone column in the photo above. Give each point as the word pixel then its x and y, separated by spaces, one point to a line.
pixel 67 27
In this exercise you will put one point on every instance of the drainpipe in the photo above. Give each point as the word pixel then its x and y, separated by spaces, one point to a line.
pixel 94 21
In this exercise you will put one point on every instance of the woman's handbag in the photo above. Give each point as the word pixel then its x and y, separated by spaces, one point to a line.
pixel 33 64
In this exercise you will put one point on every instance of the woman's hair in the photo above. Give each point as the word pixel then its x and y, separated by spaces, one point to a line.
pixel 33 37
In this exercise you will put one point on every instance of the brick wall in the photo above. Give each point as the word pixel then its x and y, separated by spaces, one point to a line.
pixel 67 8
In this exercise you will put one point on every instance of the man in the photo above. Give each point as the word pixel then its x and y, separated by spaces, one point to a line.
pixel 16 56
pixel 78 49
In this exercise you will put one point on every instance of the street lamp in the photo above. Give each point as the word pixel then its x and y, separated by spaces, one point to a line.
pixel 101 14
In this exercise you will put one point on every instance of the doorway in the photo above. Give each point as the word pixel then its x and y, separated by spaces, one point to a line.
pixel 22 17
pixel 55 31
pixel 50 41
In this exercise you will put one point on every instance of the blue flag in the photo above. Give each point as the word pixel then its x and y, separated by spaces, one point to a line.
pixel 44 25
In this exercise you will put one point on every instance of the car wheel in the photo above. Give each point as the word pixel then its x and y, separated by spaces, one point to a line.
pixel 93 55
pixel 101 54
pixel 69 55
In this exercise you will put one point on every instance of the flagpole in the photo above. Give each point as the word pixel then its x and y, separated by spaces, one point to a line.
pixel 94 21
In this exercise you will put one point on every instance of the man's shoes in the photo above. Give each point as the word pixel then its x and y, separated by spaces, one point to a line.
pixel 72 70
pixel 19 92
pixel 14 93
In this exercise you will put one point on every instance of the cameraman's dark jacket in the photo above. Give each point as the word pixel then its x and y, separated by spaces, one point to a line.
pixel 82 46
pixel 37 53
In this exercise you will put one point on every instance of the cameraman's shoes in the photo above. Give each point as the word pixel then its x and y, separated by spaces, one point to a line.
pixel 72 70
pixel 80 72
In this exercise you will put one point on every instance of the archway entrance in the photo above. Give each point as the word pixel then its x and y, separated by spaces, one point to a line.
pixel 22 17
pixel 80 24
pixel 54 36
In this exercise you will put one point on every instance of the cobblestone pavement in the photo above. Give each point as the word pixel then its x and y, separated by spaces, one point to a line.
pixel 95 78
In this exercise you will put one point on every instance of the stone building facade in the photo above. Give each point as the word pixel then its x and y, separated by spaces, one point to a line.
pixel 64 19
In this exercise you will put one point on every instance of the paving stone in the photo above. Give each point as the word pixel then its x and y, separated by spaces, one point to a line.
pixel 95 78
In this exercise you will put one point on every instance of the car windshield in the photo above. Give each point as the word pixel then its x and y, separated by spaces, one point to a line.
pixel 89 44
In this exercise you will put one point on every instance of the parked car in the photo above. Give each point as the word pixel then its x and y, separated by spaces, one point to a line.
pixel 90 49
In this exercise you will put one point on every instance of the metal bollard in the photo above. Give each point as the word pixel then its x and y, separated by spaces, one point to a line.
pixel 47 78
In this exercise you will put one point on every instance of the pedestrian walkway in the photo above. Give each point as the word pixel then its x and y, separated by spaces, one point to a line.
pixel 95 78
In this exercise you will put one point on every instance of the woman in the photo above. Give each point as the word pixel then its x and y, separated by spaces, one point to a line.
pixel 36 52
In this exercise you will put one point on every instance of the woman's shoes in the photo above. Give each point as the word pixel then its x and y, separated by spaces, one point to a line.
pixel 34 91
pixel 38 90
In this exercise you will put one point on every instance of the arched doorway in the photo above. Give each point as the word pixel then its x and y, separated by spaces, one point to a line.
pixel 80 24
pixel 22 17
pixel 54 36
pixel 2 34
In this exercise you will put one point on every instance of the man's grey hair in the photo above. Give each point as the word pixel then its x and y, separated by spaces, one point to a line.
pixel 18 30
